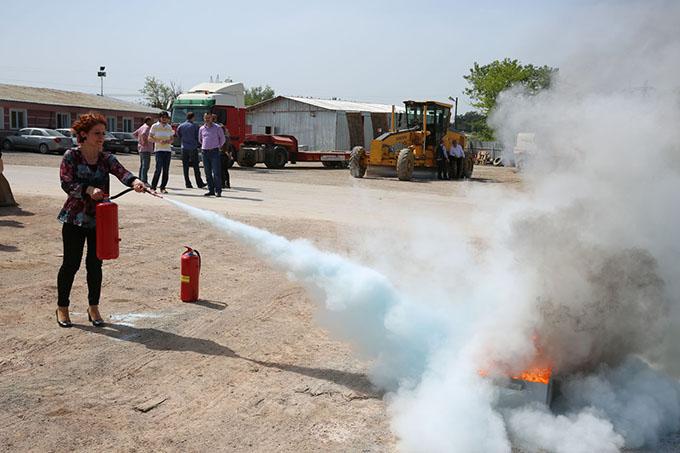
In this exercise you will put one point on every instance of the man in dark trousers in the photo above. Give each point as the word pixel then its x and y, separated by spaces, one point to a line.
pixel 211 137
pixel 188 135
pixel 225 156
pixel 456 157
pixel 442 160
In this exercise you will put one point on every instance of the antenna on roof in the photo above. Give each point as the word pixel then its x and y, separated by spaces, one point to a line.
pixel 211 80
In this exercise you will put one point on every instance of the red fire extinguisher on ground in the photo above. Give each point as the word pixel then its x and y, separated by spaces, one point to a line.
pixel 107 230
pixel 190 270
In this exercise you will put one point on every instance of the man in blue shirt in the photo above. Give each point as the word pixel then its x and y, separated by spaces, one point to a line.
pixel 188 135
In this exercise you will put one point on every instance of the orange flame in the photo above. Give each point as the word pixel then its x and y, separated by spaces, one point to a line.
pixel 538 374
pixel 539 371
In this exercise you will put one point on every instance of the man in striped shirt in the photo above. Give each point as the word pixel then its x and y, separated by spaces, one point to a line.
pixel 162 135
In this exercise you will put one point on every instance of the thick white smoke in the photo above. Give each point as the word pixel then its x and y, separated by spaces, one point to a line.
pixel 582 270
pixel 361 305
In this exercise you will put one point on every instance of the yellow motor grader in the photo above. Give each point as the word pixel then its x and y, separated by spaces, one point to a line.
pixel 412 149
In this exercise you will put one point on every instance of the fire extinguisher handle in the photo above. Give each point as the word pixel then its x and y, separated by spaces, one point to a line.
pixel 189 250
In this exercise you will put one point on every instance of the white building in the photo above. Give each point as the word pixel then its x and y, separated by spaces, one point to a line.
pixel 320 124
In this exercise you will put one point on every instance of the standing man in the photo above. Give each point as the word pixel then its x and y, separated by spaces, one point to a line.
pixel 442 160
pixel 161 134
pixel 225 157
pixel 145 148
pixel 188 135
pixel 457 154
pixel 211 137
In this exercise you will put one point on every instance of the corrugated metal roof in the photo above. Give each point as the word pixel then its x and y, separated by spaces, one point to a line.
pixel 50 96
pixel 330 104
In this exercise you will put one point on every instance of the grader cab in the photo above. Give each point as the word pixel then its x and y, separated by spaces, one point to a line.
pixel 412 149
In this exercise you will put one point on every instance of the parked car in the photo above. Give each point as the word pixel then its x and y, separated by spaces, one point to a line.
pixel 38 139
pixel 129 141
pixel 68 133
pixel 113 144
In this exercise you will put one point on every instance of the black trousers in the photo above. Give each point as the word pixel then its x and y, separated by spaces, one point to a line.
pixel 456 167
pixel 225 160
pixel 190 159
pixel 442 169
pixel 74 238
pixel 460 167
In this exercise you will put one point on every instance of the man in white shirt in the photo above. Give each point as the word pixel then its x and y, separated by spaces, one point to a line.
pixel 456 160
pixel 162 135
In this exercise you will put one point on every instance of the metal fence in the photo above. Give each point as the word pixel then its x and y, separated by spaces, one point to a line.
pixel 491 150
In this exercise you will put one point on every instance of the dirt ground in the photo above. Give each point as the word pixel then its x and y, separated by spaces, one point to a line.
pixel 244 369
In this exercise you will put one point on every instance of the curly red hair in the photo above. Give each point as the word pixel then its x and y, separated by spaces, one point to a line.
pixel 86 122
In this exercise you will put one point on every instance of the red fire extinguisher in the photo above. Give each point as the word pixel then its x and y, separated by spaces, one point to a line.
pixel 190 270
pixel 107 230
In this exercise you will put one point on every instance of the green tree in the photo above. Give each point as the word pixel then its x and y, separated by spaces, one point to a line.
pixel 258 94
pixel 158 94
pixel 470 121
pixel 488 81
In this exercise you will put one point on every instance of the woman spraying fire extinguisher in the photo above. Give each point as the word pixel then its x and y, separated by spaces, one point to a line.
pixel 84 176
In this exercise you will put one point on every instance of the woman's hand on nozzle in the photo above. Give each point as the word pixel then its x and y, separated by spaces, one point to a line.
pixel 138 185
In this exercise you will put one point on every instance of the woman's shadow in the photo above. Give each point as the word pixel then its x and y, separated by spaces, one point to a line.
pixel 160 340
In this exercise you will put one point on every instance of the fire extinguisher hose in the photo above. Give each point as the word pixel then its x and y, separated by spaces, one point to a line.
pixel 121 193
pixel 130 189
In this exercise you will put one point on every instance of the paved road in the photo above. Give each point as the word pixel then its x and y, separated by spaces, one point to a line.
pixel 313 193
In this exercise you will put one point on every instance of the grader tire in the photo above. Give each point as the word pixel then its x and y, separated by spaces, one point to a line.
pixel 357 168
pixel 405 164
pixel 469 163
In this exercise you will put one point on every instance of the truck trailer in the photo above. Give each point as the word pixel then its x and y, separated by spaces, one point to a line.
pixel 227 101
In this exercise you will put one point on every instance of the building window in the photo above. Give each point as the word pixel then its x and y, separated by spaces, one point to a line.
pixel 127 124
pixel 111 124
pixel 17 119
pixel 63 120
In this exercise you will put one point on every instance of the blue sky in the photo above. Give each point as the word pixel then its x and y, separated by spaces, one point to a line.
pixel 374 51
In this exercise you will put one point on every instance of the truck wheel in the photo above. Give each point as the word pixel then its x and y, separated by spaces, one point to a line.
pixel 405 164
pixel 357 167
pixel 246 157
pixel 278 158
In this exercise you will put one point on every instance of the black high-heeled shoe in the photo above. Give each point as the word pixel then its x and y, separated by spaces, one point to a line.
pixel 62 323
pixel 95 322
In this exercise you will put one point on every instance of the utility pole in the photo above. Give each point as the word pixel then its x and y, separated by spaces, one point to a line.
pixel 101 74
pixel 455 111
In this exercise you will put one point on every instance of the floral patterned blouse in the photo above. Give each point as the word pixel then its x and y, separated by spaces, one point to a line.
pixel 76 175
